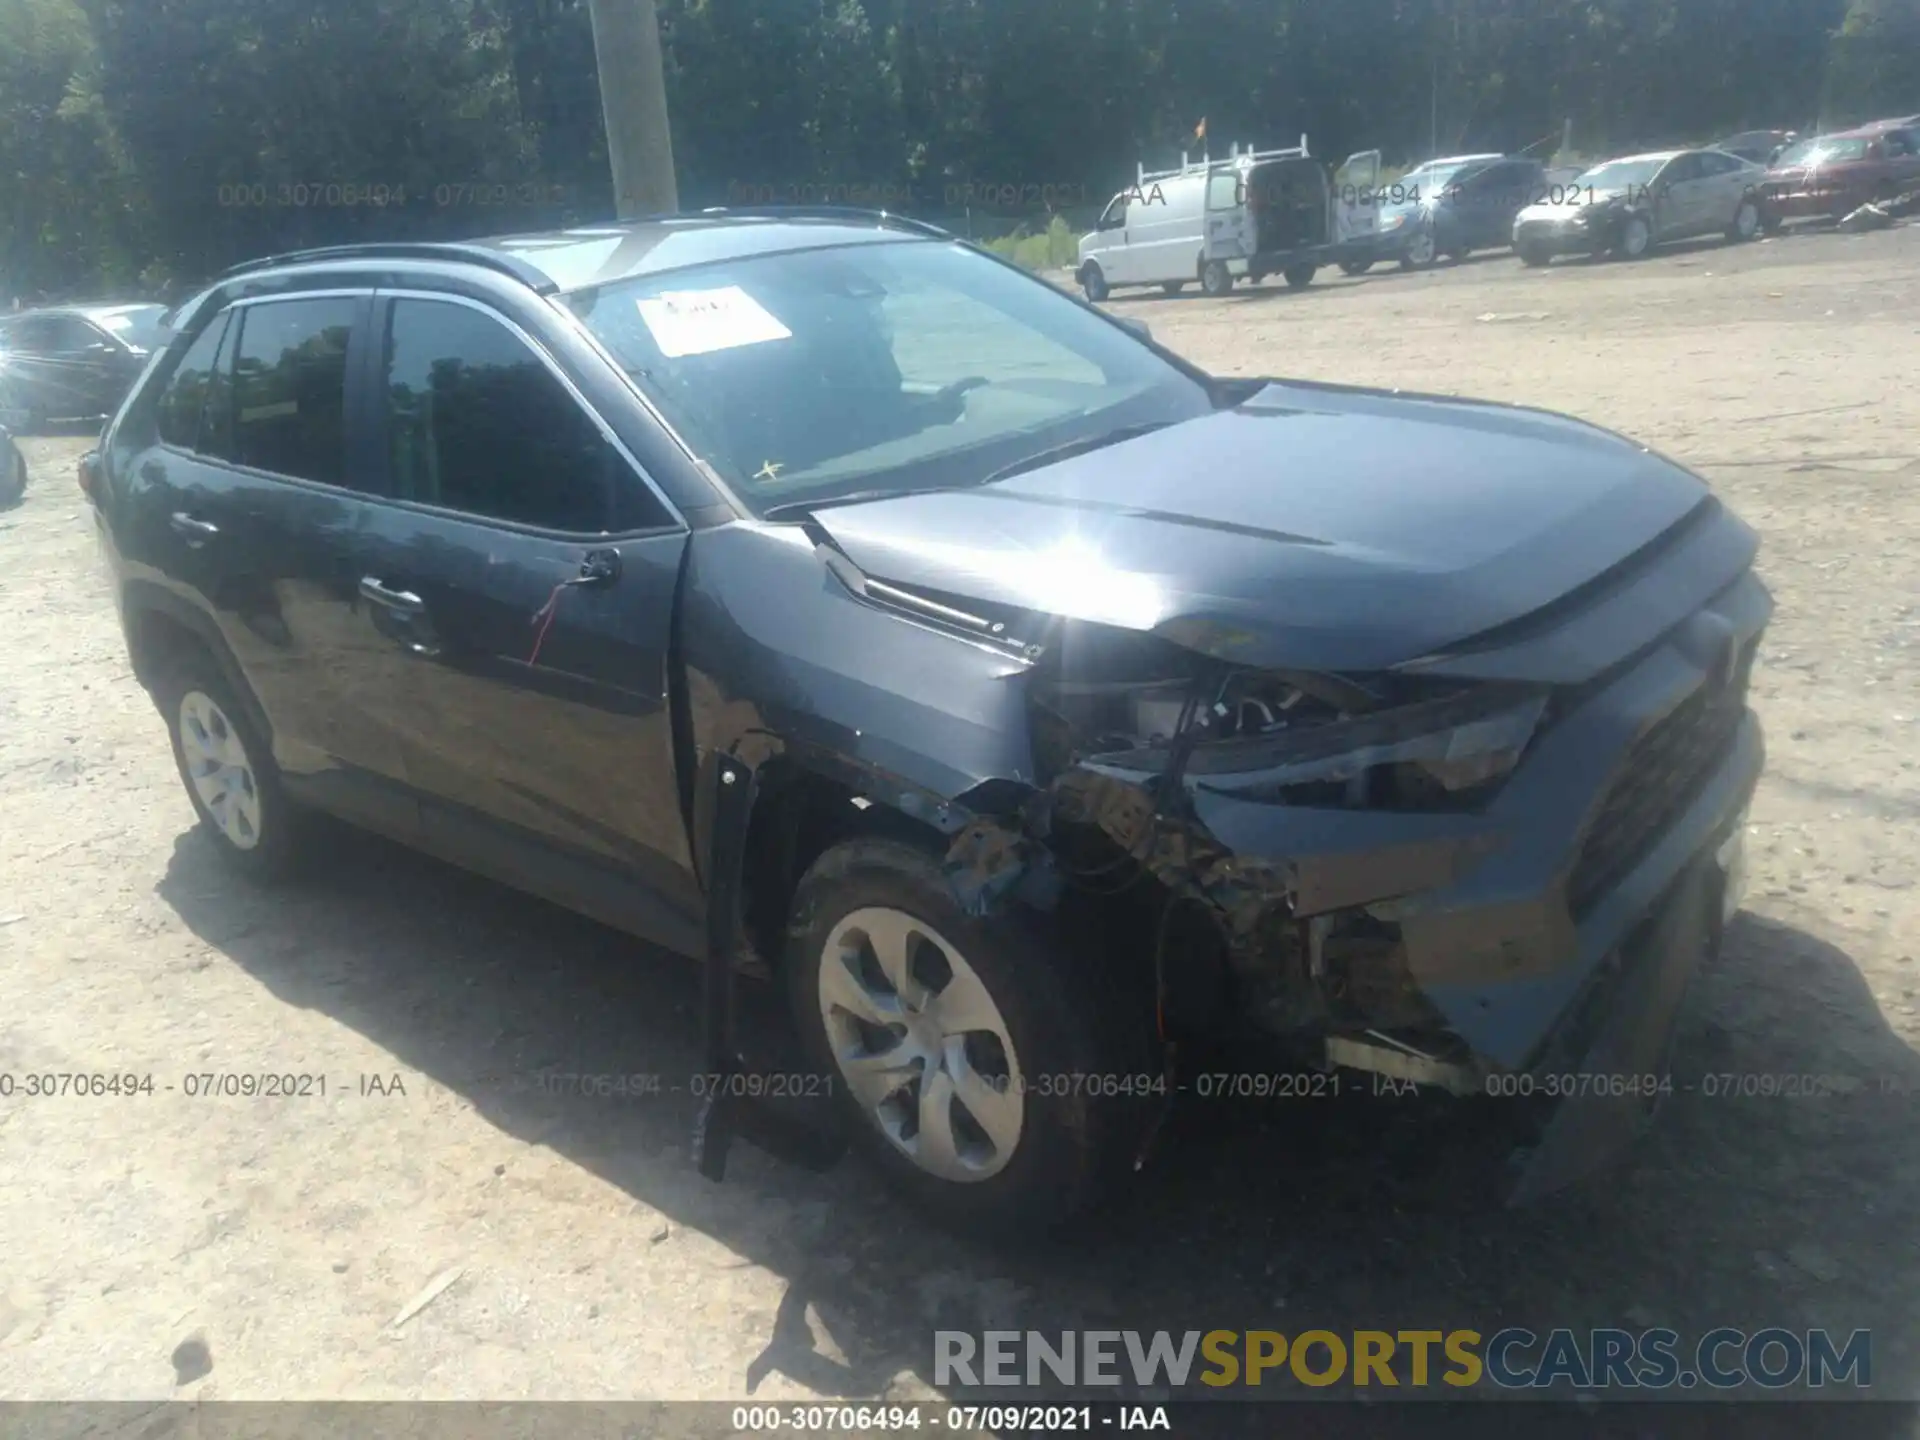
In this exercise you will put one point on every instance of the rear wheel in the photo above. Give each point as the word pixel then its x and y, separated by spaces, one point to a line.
pixel 228 770
pixel 1746 222
pixel 943 1035
pixel 1298 277
pixel 1093 282
pixel 1215 278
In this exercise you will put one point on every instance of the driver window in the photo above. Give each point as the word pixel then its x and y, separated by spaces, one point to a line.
pixel 1115 215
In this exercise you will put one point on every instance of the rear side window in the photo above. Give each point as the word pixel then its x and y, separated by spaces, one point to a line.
pixel 185 398
pixel 290 387
pixel 477 422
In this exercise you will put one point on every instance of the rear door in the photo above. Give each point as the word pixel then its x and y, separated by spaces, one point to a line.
pixel 1723 188
pixel 1229 216
pixel 1356 202
pixel 524 583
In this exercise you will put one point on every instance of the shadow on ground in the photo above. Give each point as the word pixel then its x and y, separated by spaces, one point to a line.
pixel 1746 1210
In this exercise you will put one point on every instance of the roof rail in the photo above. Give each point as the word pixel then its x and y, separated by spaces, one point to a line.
pixel 828 212
pixel 459 254
pixel 1190 166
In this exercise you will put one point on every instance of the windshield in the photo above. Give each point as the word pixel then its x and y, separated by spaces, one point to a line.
pixel 1823 152
pixel 876 368
pixel 138 327
pixel 1621 174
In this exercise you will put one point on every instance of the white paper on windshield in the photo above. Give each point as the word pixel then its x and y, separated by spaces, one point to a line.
pixel 695 322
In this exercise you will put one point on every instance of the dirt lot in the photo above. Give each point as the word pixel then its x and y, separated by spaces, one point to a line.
pixel 592 1262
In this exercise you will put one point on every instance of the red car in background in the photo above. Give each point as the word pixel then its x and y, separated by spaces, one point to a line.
pixel 1834 174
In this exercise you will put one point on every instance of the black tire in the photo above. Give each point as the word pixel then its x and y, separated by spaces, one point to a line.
pixel 1534 255
pixel 282 834
pixel 1771 224
pixel 1093 283
pixel 1173 287
pixel 1072 1148
pixel 1743 229
pixel 1215 279
pixel 13 473
pixel 1299 277
pixel 1627 247
pixel 1356 267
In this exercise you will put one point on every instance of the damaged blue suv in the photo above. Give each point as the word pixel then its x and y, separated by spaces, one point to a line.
pixel 1020 706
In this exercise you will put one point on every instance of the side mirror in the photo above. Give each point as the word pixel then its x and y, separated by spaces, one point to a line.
pixel 1139 327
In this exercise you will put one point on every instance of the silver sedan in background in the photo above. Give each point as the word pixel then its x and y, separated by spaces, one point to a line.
pixel 1627 206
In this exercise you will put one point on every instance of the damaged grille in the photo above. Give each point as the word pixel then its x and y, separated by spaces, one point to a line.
pixel 1662 774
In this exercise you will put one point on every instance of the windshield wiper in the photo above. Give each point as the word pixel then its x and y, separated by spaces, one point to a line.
pixel 1082 446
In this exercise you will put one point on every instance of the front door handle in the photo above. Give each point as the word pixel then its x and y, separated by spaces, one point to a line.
pixel 195 531
pixel 404 601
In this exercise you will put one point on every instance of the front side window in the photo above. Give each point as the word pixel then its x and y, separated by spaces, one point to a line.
pixel 890 366
pixel 290 387
pixel 185 398
pixel 477 422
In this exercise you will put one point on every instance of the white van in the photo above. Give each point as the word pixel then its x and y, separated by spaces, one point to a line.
pixel 1253 214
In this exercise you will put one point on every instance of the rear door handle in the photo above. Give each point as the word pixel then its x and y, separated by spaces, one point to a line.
pixel 404 601
pixel 196 531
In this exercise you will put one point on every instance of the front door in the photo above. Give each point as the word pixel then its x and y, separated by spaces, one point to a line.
pixel 524 576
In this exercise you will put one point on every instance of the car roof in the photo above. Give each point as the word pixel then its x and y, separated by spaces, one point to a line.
pixel 1645 156
pixel 1457 160
pixel 589 255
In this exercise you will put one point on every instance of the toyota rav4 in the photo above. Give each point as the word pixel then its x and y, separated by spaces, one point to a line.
pixel 1084 708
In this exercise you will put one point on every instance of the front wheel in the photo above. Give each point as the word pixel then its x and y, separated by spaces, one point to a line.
pixel 1093 283
pixel 966 1055
pixel 1215 279
pixel 13 472
pixel 1636 238
pixel 1298 277
pixel 1421 252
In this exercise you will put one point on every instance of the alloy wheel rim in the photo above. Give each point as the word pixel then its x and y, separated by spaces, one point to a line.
pixel 1637 236
pixel 921 1044
pixel 219 770
pixel 1747 220
pixel 1420 252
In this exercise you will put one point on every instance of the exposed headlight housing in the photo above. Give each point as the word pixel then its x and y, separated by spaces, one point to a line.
pixel 1292 738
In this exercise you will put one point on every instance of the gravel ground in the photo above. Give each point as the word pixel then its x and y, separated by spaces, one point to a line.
pixel 286 1236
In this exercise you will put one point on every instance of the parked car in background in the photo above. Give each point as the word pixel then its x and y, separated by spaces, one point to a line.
pixel 13 469
pixel 1214 221
pixel 1898 122
pixel 1031 699
pixel 1758 147
pixel 73 362
pixel 1448 209
pixel 1827 177
pixel 1625 207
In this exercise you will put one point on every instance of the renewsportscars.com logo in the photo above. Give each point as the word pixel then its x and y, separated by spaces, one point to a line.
pixel 1773 1358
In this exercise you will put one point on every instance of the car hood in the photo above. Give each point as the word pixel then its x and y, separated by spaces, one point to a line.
pixel 1311 526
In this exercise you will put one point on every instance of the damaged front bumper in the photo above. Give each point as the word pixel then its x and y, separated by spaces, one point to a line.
pixel 1548 935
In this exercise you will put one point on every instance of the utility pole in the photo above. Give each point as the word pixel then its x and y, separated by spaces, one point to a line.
pixel 633 97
